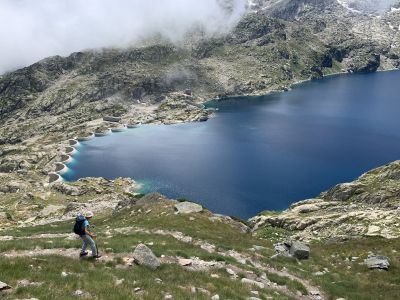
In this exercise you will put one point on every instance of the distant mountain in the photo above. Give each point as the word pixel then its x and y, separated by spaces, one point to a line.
pixel 370 6
pixel 277 43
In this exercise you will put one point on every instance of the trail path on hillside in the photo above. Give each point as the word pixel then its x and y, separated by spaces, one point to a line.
pixel 193 264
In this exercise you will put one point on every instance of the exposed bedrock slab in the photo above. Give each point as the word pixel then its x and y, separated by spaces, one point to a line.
pixel 188 207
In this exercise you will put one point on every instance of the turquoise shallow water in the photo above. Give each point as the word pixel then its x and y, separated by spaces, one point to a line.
pixel 260 153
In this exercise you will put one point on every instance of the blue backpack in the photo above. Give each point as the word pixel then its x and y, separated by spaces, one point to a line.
pixel 78 227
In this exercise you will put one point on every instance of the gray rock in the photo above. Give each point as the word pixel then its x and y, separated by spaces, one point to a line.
pixel 253 282
pixel 377 262
pixel 111 119
pixel 188 207
pixel 145 257
pixel 294 249
pixel 282 249
pixel 299 250
pixel 4 286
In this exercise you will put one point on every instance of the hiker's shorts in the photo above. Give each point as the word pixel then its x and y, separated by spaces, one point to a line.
pixel 88 241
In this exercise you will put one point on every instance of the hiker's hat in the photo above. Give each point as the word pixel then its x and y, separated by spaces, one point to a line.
pixel 89 214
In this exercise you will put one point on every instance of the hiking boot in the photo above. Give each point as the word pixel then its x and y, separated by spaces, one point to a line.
pixel 97 256
pixel 82 254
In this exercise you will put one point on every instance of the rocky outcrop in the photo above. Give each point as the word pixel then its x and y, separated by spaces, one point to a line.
pixel 188 208
pixel 366 207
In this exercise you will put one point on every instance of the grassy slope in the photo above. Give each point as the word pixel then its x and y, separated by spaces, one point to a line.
pixel 346 278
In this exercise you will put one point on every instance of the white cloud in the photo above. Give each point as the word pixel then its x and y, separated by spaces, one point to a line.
pixel 34 29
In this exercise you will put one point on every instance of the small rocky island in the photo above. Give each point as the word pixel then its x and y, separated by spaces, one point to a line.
pixel 344 244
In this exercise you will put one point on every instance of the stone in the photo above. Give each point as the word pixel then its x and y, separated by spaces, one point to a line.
pixel 4 286
pixel 299 250
pixel 258 248
pixel 256 293
pixel 215 297
pixel 145 257
pixel 203 291
pixel 253 282
pixel 26 282
pixel 281 249
pixel 188 207
pixel 185 262
pixel 168 296
pixel 377 262
pixel 111 119
pixel 373 230
pixel 78 293
pixel 294 249
pixel 231 272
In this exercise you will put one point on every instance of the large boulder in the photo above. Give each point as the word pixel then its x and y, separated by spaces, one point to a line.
pixel 377 262
pixel 299 250
pixel 188 207
pixel 145 257
pixel 294 249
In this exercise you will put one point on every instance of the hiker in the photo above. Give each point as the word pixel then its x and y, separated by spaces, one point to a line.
pixel 82 228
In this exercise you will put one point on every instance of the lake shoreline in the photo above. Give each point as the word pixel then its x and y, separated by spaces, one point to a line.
pixel 307 81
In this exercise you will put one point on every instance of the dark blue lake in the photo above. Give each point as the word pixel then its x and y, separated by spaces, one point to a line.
pixel 260 153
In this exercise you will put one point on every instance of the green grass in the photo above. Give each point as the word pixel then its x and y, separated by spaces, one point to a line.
pixel 99 280
pixel 345 278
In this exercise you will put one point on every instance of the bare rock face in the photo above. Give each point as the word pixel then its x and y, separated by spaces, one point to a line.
pixel 145 257
pixel 188 207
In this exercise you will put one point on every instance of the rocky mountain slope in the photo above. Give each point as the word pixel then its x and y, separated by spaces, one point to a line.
pixel 279 43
